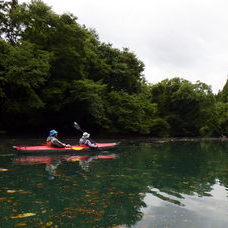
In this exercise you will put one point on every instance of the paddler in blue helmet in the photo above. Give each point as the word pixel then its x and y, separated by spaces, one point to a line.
pixel 53 140
pixel 85 140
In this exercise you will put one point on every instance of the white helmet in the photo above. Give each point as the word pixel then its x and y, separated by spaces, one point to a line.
pixel 85 135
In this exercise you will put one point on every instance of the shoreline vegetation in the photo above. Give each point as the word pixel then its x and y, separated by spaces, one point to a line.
pixel 54 71
pixel 122 139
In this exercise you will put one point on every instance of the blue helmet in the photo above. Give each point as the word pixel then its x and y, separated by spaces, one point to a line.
pixel 52 132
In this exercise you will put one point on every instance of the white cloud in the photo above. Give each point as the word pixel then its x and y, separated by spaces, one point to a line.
pixel 184 38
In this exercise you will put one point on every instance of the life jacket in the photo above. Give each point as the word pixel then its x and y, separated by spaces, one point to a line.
pixel 48 143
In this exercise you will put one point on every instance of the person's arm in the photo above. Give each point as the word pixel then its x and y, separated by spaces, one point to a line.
pixel 58 143
pixel 90 144
pixel 81 141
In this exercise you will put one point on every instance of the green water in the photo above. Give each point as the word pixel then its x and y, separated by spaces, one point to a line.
pixel 140 185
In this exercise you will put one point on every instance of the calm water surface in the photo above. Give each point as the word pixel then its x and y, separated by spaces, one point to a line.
pixel 137 184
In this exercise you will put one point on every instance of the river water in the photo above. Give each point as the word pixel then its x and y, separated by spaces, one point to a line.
pixel 138 184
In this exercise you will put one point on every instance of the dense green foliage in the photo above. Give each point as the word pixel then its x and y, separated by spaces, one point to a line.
pixel 54 71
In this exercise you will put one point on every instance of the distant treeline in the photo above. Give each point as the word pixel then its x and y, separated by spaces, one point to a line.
pixel 54 71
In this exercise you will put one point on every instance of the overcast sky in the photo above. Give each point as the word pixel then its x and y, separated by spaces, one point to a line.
pixel 174 38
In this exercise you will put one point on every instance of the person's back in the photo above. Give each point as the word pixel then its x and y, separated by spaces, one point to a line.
pixel 53 140
pixel 84 140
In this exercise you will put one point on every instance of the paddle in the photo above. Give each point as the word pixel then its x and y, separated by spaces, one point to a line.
pixel 77 127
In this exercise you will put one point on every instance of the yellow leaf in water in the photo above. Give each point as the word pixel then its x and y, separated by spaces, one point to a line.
pixel 38 202
pixel 192 186
pixel 97 219
pixel 3 170
pixel 19 191
pixel 24 192
pixel 21 224
pixel 2 198
pixel 49 224
pixel 11 191
pixel 24 215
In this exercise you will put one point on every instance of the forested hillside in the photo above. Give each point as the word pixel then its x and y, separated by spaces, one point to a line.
pixel 54 71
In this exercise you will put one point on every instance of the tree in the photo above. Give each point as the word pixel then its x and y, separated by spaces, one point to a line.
pixel 10 26
pixel 59 34
pixel 130 113
pixel 23 69
pixel 81 100
pixel 86 100
pixel 223 95
pixel 53 70
pixel 123 71
pixel 222 118
pixel 185 106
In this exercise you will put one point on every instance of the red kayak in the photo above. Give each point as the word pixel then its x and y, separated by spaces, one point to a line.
pixel 74 148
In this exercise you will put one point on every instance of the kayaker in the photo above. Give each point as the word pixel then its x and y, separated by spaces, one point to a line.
pixel 84 140
pixel 53 140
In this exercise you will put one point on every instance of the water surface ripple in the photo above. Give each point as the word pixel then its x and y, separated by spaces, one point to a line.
pixel 137 184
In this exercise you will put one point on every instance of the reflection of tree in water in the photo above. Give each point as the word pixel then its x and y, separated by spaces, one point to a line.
pixel 108 199
pixel 100 200
pixel 102 197
pixel 218 161
pixel 111 193
pixel 183 168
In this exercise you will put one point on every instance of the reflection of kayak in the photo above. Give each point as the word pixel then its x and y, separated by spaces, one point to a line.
pixel 39 149
pixel 99 156
pixel 32 160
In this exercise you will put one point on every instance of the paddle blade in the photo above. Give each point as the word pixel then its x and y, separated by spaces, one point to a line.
pixel 77 126
pixel 76 148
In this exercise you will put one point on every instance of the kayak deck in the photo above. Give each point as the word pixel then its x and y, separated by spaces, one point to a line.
pixel 73 148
